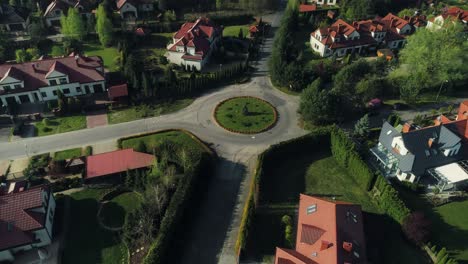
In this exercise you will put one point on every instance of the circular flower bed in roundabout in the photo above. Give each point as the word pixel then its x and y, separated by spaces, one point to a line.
pixel 245 115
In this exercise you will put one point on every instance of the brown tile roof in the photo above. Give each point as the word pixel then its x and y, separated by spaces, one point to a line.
pixel 17 219
pixel 307 8
pixel 196 35
pixel 117 91
pixel 34 74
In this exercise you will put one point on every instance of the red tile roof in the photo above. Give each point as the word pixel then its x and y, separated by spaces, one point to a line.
pixel 458 13
pixel 307 8
pixel 115 162
pixel 196 35
pixel 34 74
pixel 324 227
pixel 117 91
pixel 463 110
pixel 17 219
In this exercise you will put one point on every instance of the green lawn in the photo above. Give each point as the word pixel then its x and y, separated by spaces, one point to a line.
pixel 233 31
pixel 315 172
pixel 86 242
pixel 113 213
pixel 143 111
pixel 153 140
pixel 245 115
pixel 67 154
pixel 107 54
pixel 60 125
pixel 449 223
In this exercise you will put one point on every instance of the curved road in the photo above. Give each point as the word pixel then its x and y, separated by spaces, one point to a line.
pixel 214 230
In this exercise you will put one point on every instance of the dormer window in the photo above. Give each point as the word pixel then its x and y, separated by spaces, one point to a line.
pixel 57 12
pixel 63 80
pixel 7 87
pixel 350 216
pixel 17 86
pixel 311 209
pixel 52 82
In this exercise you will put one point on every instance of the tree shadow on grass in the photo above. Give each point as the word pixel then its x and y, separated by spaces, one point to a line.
pixel 386 243
pixel 112 215
pixel 85 239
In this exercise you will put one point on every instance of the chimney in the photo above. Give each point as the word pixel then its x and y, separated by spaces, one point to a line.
pixel 339 27
pixel 407 127
pixel 348 246
pixel 325 245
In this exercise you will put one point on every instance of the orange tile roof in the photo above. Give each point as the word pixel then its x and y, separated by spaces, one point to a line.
pixel 328 231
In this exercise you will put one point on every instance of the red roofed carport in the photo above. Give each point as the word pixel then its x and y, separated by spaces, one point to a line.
pixel 116 162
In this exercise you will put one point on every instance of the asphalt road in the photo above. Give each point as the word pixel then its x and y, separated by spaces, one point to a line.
pixel 214 231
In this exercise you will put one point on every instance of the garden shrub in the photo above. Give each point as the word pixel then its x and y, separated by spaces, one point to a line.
pixel 46 122
pixel 88 151
pixel 66 183
pixel 46 129
pixel 389 201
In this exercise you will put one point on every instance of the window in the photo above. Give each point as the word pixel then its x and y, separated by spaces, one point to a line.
pixel 351 216
pixel 311 209
pixel 17 86
pixel 63 80
pixel 66 91
pixel 57 12
pixel 53 82
pixel 7 87
pixel 54 92
pixel 389 132
pixel 408 176
pixel 428 153
pixel 78 89
pixel 43 94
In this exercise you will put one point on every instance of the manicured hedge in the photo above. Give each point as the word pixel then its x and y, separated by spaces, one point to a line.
pixel 280 150
pixel 345 153
pixel 389 200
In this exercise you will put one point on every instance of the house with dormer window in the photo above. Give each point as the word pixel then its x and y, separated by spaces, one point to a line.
pixel 41 80
pixel 26 221
pixel 342 38
pixel 193 44
pixel 328 231
pixel 436 155
pixel 452 14
pixel 57 8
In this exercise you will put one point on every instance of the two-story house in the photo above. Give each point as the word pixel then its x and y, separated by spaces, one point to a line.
pixel 449 15
pixel 40 80
pixel 130 9
pixel 193 44
pixel 342 38
pixel 435 155
pixel 322 2
pixel 12 19
pixel 57 8
pixel 26 221
pixel 328 231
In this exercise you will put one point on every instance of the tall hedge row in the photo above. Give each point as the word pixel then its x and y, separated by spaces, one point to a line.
pixel 389 200
pixel 344 151
pixel 280 150
pixel 180 202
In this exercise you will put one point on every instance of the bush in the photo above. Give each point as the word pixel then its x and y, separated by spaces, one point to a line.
pixel 46 129
pixel 46 122
pixel 88 151
pixel 389 201
pixel 66 184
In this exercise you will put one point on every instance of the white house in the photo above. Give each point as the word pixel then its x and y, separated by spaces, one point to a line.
pixel 129 9
pixel 40 80
pixel 193 44
pixel 342 38
pixel 322 2
pixel 56 8
pixel 26 221
pixel 452 14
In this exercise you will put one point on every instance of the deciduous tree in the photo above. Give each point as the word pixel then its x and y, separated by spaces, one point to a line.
pixel 103 26
pixel 73 25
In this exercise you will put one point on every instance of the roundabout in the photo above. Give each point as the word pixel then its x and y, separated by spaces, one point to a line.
pixel 245 115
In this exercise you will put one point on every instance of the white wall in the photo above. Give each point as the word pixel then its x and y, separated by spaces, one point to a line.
pixel 6 255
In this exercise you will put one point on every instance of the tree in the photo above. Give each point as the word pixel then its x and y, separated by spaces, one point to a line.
pixel 431 58
pixel 406 12
pixel 21 56
pixel 362 127
pixel 73 25
pixel 241 33
pixel 316 104
pixel 219 4
pixel 103 26
pixel 417 228
pixel 36 31
pixel 356 9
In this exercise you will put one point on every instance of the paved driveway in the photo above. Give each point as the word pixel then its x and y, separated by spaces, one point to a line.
pixel 96 118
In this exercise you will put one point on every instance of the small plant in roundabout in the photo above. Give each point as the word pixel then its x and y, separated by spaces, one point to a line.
pixel 245 115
